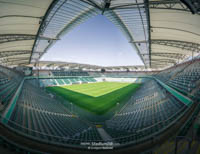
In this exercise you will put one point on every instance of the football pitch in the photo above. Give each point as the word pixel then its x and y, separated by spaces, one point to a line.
pixel 97 98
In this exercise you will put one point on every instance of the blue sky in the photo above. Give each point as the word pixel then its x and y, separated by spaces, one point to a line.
pixel 96 41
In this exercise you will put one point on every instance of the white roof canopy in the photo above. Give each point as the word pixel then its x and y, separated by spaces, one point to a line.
pixel 19 24
pixel 162 32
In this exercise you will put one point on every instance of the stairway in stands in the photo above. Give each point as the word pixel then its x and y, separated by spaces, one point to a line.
pixel 173 76
pixel 104 135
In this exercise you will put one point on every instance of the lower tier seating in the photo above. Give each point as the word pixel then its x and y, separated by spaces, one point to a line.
pixel 150 110
pixel 44 118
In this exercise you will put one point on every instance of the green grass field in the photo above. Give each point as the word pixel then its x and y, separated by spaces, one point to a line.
pixel 97 98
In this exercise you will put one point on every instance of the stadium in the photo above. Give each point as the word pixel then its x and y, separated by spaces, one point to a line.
pixel 71 107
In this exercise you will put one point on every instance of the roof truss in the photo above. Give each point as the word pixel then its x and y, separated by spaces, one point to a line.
pixel 14 53
pixel 4 38
pixel 184 45
pixel 57 17
pixel 191 46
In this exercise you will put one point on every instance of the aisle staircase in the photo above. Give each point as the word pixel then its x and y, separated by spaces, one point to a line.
pixel 104 135
pixel 173 76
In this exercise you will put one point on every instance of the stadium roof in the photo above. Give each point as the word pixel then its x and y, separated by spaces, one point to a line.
pixel 163 32
pixel 57 65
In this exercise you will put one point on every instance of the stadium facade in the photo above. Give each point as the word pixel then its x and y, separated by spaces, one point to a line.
pixel 158 115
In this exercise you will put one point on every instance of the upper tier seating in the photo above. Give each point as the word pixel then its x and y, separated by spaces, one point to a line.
pixel 169 73
pixel 186 80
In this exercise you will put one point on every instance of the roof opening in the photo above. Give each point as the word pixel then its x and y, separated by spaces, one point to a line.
pixel 96 41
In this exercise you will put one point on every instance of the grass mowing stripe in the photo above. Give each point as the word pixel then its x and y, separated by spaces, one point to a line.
pixel 85 95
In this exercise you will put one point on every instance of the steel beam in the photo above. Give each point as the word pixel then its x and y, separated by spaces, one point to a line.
pixel 126 31
pixel 21 16
pixel 193 5
pixel 7 56
pixel 158 4
pixel 4 38
pixel 54 2
pixel 73 23
pixel 47 38
pixel 13 53
pixel 14 61
pixel 92 3
pixel 194 47
pixel 106 6
pixel 164 61
pixel 180 5
pixel 170 55
pixel 149 28
pixel 184 45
